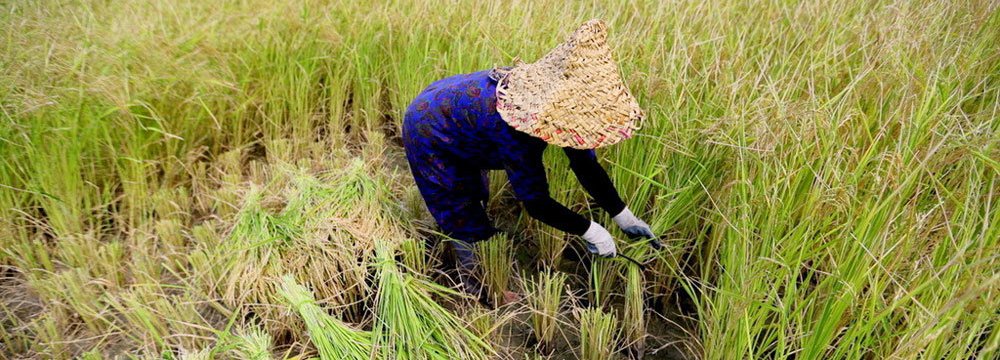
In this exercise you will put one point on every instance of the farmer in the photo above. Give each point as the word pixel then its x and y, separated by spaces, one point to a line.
pixel 460 127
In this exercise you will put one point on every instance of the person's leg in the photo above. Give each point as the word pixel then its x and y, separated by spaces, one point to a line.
pixel 454 197
pixel 467 264
pixel 484 183
pixel 456 202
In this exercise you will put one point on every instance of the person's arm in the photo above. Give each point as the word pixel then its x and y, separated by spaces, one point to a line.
pixel 594 179
pixel 526 174
pixel 598 184
pixel 527 178
pixel 554 214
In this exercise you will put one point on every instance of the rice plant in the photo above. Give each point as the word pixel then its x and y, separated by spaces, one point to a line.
pixel 415 255
pixel 604 281
pixel 598 333
pixel 252 343
pixel 91 355
pixel 496 263
pixel 545 298
pixel 483 322
pixel 634 310
pixel 551 243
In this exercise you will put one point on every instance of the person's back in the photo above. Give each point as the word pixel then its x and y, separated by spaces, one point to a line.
pixel 457 117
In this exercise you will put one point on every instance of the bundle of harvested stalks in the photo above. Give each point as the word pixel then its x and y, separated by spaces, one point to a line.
pixel 251 256
pixel 545 298
pixel 409 324
pixel 496 258
pixel 334 339
pixel 597 334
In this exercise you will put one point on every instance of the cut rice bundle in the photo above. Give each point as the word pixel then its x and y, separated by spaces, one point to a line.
pixel 409 324
pixel 334 339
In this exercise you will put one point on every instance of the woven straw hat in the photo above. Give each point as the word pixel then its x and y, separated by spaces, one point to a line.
pixel 571 97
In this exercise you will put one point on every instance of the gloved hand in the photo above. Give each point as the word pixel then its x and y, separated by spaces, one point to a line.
pixel 635 227
pixel 599 241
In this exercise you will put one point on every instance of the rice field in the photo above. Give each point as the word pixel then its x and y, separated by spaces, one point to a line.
pixel 224 180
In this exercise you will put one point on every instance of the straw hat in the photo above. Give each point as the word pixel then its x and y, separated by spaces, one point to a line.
pixel 571 97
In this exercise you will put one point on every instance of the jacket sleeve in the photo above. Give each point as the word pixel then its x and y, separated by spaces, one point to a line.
pixel 594 179
pixel 554 214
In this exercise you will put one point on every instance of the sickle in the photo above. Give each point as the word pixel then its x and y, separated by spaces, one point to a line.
pixel 634 261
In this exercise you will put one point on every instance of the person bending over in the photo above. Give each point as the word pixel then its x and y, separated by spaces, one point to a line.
pixel 460 127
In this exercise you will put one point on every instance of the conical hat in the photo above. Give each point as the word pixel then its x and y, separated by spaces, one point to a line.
pixel 573 96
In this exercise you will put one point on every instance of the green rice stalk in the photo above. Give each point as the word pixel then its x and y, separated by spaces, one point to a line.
pixel 633 311
pixel 103 260
pixel 496 259
pixel 633 314
pixel 334 339
pixel 666 269
pixel 92 355
pixel 551 243
pixel 598 334
pixel 74 291
pixel 604 277
pixel 142 323
pixel 50 337
pixel 13 334
pixel 545 296
pixel 482 321
pixel 153 315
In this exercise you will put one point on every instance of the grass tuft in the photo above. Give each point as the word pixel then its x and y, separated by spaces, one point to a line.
pixel 545 298
pixel 598 334
pixel 496 261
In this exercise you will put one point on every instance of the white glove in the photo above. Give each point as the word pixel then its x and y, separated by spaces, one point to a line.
pixel 636 228
pixel 599 240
